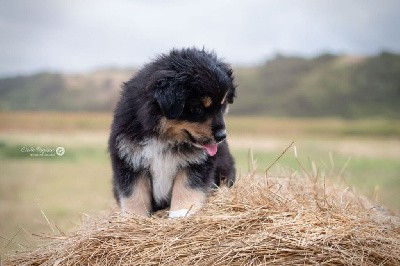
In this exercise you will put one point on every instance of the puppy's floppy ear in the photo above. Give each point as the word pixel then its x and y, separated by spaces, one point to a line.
pixel 171 101
pixel 169 94
pixel 232 91
pixel 231 95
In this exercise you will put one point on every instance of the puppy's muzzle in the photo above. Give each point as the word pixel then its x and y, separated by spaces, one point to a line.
pixel 220 135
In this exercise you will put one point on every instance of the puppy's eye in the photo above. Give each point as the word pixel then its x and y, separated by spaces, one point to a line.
pixel 197 110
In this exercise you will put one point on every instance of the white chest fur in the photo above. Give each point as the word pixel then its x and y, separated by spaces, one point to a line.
pixel 159 158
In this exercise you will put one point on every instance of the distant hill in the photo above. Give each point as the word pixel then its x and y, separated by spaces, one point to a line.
pixel 93 91
pixel 327 85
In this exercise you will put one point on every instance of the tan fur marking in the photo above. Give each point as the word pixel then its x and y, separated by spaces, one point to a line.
pixel 206 102
pixel 174 129
pixel 139 203
pixel 184 197
pixel 224 99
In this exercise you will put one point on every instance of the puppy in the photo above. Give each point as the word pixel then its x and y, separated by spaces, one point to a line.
pixel 167 143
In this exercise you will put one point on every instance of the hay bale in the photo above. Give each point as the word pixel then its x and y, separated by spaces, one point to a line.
pixel 292 220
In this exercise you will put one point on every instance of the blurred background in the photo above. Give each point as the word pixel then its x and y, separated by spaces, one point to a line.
pixel 325 75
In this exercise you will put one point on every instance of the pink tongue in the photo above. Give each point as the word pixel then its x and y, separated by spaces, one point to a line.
pixel 211 149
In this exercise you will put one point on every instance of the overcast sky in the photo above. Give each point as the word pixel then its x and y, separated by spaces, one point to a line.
pixel 80 35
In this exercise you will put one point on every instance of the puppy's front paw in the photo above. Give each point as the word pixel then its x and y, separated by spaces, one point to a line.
pixel 179 213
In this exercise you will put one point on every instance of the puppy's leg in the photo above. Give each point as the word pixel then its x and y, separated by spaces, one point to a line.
pixel 185 200
pixel 139 202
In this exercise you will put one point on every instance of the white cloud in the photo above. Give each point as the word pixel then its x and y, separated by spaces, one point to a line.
pixel 79 35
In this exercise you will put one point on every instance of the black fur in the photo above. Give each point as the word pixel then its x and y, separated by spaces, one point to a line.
pixel 171 87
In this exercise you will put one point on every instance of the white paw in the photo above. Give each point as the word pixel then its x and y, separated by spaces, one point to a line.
pixel 179 213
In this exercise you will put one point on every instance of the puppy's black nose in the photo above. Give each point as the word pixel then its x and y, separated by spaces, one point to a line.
pixel 220 135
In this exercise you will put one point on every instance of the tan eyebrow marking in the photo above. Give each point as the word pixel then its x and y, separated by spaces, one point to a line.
pixel 224 99
pixel 206 102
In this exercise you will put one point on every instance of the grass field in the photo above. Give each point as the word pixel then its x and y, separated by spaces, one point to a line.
pixel 366 153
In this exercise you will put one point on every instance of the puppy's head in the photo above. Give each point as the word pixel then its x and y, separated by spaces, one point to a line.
pixel 192 89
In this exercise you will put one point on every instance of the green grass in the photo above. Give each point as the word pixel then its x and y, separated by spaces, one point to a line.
pixel 62 189
pixel 319 127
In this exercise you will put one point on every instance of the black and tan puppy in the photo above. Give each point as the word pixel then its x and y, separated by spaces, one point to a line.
pixel 167 141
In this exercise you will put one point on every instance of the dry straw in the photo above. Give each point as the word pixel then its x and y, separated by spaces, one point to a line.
pixel 292 219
